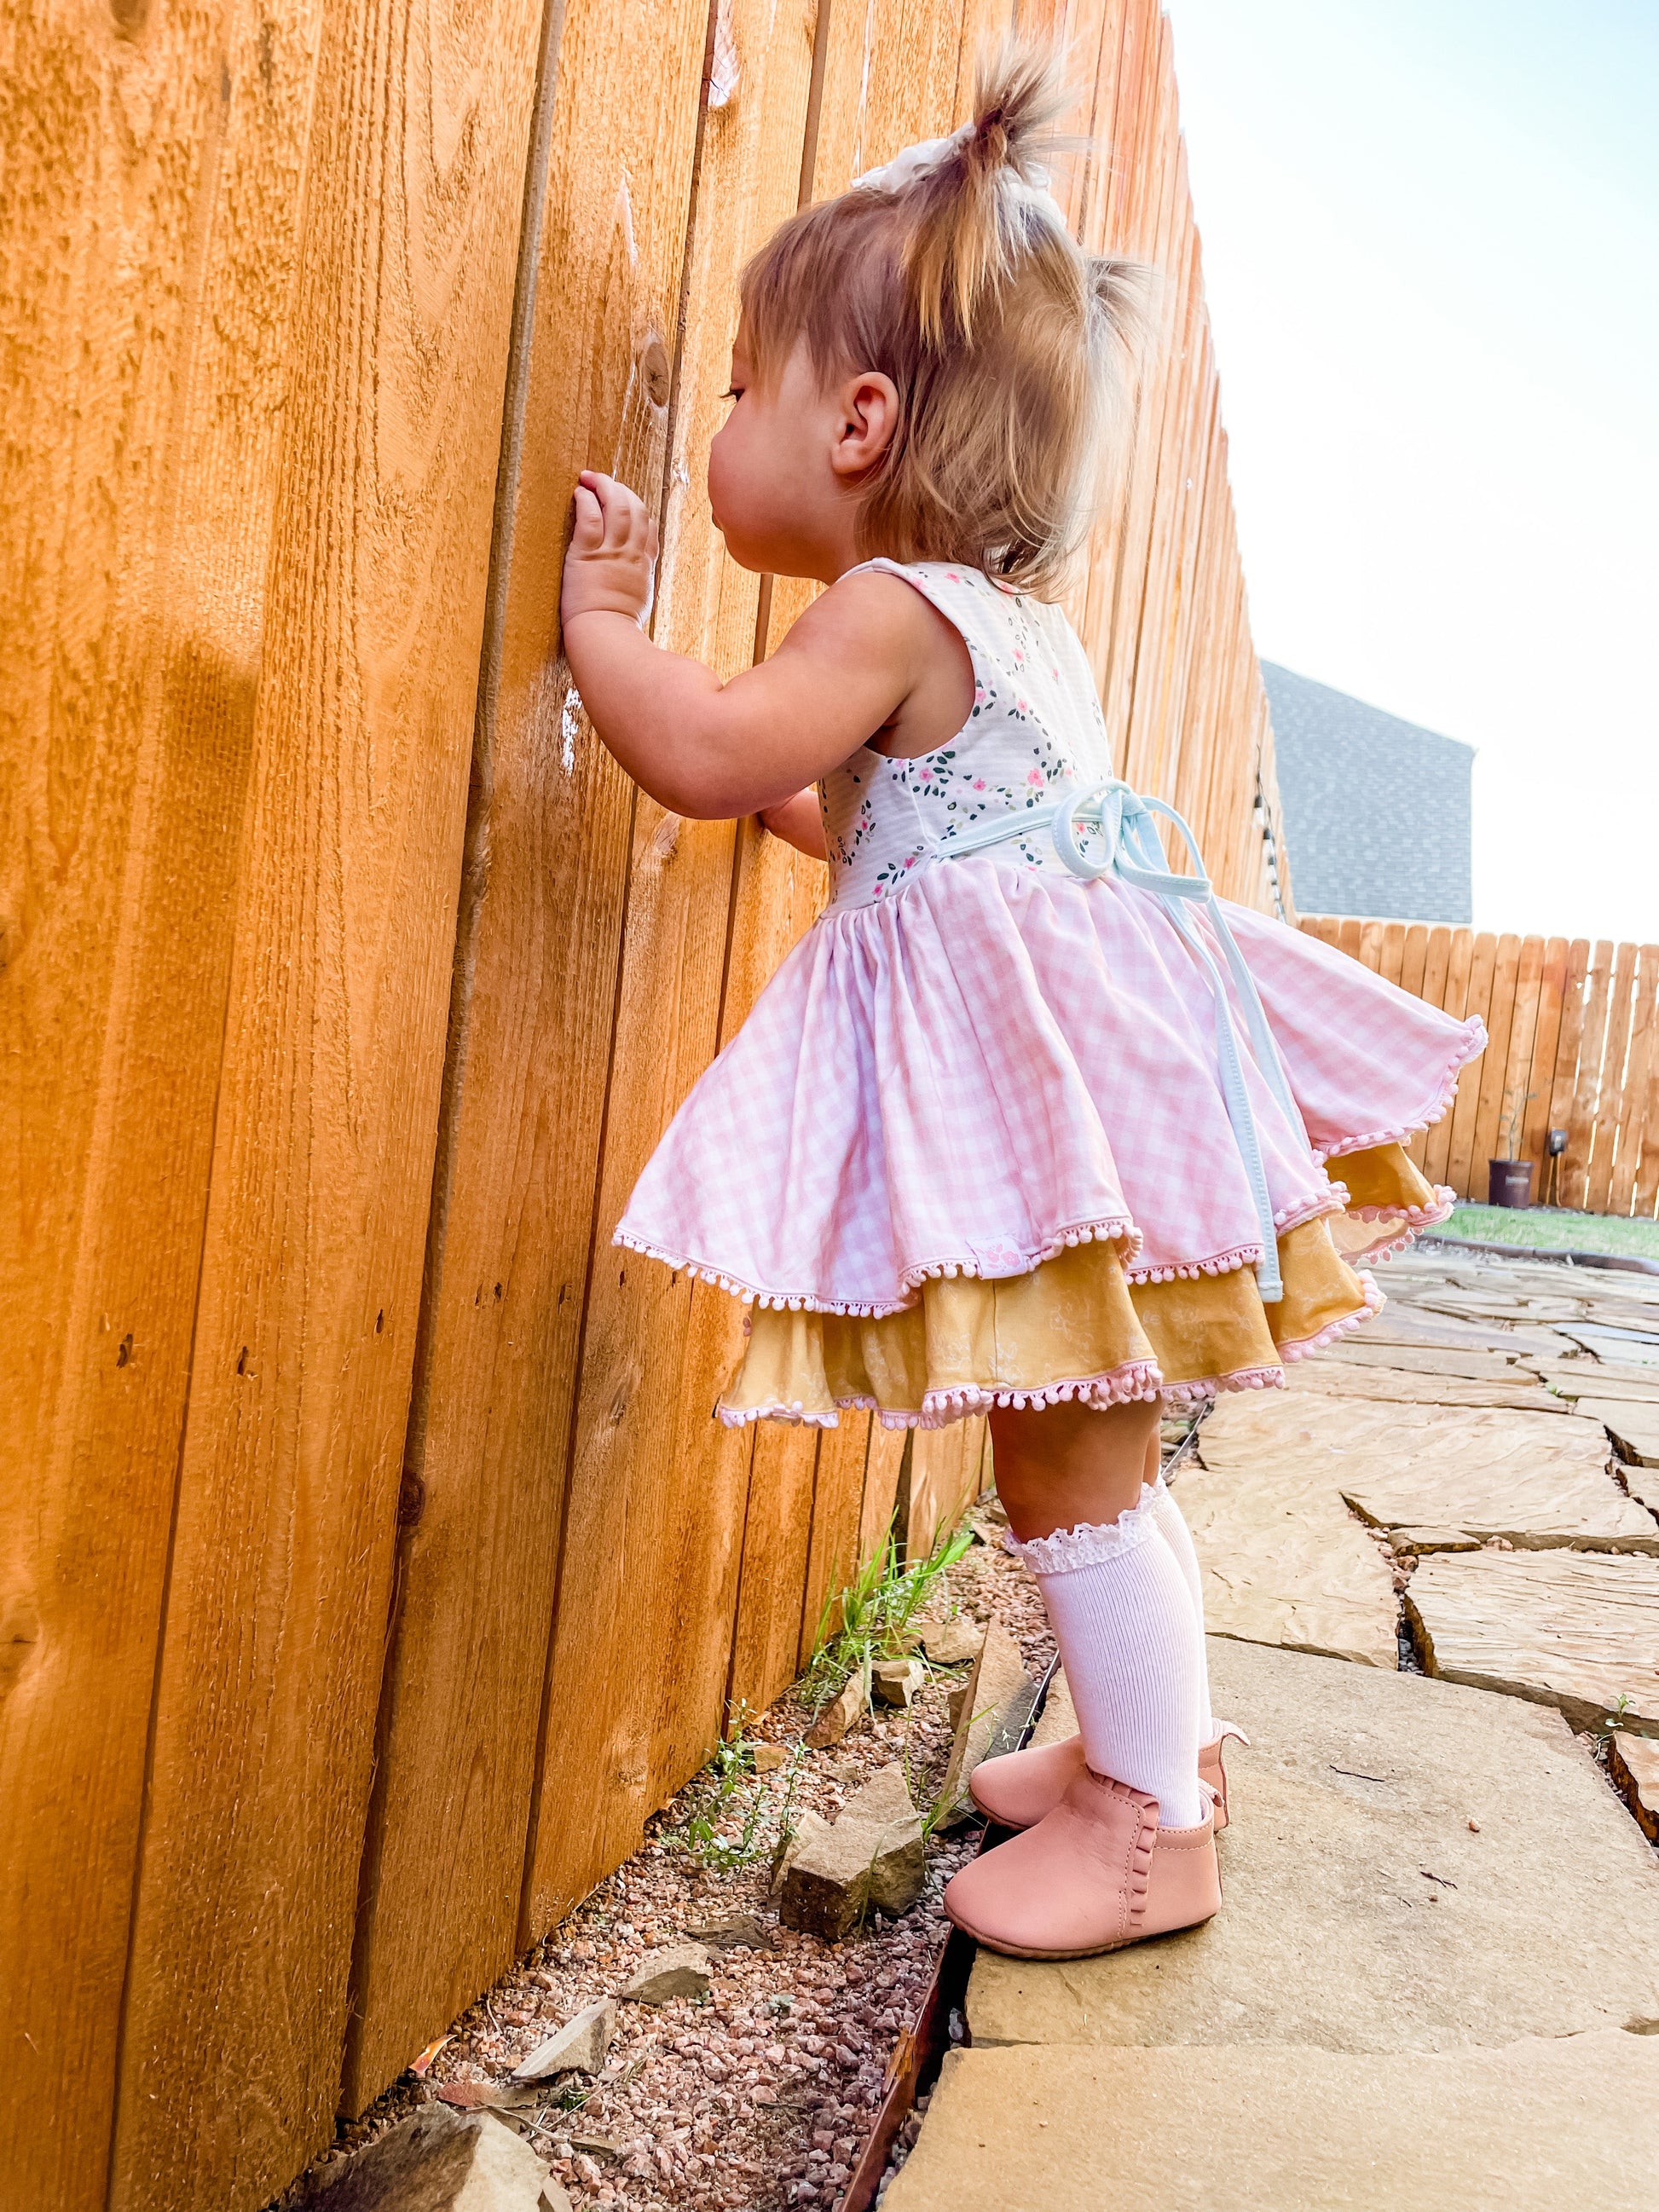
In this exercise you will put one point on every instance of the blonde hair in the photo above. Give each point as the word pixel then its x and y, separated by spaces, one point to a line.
pixel 1011 349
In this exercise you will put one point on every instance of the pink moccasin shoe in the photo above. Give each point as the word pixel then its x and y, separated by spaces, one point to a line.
pixel 1094 1874
pixel 1022 1786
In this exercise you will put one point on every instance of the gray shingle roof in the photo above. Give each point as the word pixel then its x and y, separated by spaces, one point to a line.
pixel 1377 812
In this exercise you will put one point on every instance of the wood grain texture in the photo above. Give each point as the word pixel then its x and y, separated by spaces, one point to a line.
pixel 532 1009
pixel 1587 1090
pixel 347 868
pixel 641 1644
pixel 837 1502
pixel 946 1474
pixel 1633 1105
pixel 1610 1091
pixel 150 187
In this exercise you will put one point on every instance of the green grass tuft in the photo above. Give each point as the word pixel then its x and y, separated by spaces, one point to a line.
pixel 1554 1229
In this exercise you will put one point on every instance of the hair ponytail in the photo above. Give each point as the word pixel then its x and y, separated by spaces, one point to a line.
pixel 972 210
pixel 1013 351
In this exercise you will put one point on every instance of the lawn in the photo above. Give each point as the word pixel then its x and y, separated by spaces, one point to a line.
pixel 1554 1229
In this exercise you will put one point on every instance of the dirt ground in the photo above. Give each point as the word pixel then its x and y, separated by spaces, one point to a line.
pixel 759 2095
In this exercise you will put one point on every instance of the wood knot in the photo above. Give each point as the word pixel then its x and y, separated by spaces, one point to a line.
pixel 655 373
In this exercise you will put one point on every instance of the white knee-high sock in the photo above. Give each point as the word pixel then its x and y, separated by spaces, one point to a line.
pixel 1129 1643
pixel 1172 1528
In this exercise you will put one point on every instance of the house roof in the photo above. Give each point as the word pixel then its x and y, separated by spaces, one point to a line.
pixel 1377 811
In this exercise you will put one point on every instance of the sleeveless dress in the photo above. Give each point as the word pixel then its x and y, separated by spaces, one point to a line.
pixel 973 1146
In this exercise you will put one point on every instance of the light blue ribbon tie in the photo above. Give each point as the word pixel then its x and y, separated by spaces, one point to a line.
pixel 1133 851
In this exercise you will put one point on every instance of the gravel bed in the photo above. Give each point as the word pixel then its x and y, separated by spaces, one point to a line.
pixel 759 2095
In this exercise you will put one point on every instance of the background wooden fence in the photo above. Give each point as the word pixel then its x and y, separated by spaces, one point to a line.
pixel 372 1567
pixel 1574 1045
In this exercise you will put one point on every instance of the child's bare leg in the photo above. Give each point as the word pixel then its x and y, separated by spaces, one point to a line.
pixel 1117 1593
pixel 1065 1466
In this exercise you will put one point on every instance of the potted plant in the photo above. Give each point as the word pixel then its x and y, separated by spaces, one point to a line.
pixel 1509 1180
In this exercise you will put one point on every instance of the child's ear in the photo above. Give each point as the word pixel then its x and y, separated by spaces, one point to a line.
pixel 869 407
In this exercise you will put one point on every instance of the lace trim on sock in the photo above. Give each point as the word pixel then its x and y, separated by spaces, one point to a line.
pixel 1090 1544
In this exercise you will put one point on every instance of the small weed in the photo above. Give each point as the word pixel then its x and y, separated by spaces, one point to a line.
pixel 1613 1722
pixel 731 1795
pixel 875 1611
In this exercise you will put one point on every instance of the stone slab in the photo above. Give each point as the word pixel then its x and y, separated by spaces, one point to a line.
pixel 1570 1629
pixel 1335 1378
pixel 1283 1560
pixel 1598 1378
pixel 1533 2128
pixel 1472 1362
pixel 1634 1428
pixel 1405 1324
pixel 1642 1484
pixel 1362 1911
pixel 1637 1349
pixel 1479 1471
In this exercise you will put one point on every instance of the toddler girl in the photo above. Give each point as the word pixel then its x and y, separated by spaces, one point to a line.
pixel 1026 1124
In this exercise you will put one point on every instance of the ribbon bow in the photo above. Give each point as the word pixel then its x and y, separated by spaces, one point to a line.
pixel 1132 850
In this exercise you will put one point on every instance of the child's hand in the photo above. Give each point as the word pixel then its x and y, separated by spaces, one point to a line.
pixel 612 557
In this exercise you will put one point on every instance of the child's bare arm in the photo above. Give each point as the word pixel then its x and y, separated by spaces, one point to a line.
pixel 800 823
pixel 710 750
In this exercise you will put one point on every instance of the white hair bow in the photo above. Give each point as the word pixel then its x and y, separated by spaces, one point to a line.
pixel 914 161
pixel 927 154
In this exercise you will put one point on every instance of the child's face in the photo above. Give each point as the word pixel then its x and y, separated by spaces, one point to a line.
pixel 783 471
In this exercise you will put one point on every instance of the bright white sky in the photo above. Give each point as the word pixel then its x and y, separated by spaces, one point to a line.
pixel 1431 235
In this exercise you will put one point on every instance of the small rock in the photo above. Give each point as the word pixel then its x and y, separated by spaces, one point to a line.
pixel 949 1643
pixel 807 1829
pixel 746 1933
pixel 871 1856
pixel 840 1715
pixel 684 1971
pixel 579 2047
pixel 436 2161
pixel 998 1678
pixel 767 1757
pixel 896 1681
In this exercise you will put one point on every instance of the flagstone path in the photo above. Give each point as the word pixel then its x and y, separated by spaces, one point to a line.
pixel 1434 1980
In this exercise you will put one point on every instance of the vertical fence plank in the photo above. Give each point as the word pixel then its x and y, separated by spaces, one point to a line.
pixel 153 187
pixel 1483 954
pixel 1575 1163
pixel 348 864
pixel 835 1559
pixel 1646 1197
pixel 1610 1097
pixel 1516 1103
pixel 777 1536
pixel 1547 1037
pixel 1493 1065
pixel 654 1525
pixel 884 1474
pixel 945 1472
pixel 1633 1113
pixel 1569 1044
pixel 531 1018
pixel 1437 1152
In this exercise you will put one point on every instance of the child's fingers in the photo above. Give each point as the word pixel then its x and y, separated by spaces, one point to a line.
pixel 589 533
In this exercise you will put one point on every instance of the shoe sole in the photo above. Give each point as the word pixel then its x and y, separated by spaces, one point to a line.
pixel 1088 1951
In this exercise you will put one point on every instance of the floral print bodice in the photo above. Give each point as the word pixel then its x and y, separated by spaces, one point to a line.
pixel 1035 723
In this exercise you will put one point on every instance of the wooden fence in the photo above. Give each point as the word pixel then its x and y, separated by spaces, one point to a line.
pixel 1574 1045
pixel 373 1566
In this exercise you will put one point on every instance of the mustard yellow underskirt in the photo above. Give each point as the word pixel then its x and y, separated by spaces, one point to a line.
pixel 1078 1321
